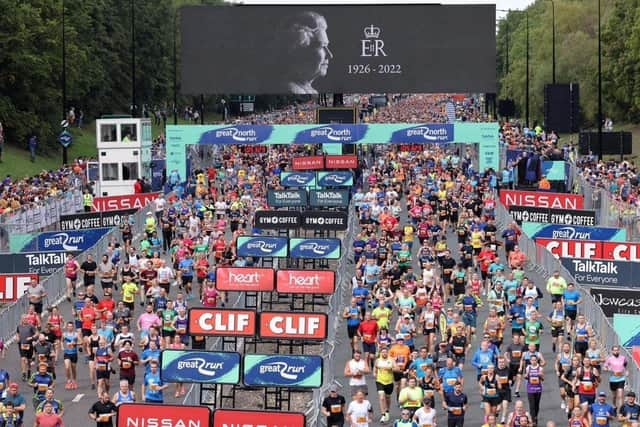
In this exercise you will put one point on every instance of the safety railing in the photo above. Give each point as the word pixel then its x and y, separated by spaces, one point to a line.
pixel 55 284
pixel 544 263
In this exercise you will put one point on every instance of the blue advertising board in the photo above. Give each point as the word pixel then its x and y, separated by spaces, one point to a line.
pixel 333 133
pixel 298 179
pixel 262 246
pixel 193 366
pixel 281 370
pixel 335 179
pixel 425 134
pixel 72 240
pixel 315 248
pixel 537 230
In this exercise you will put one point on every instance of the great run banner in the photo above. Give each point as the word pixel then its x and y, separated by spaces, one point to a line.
pixel 536 230
pixel 483 134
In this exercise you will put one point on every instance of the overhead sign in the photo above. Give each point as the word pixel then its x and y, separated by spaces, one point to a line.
pixel 193 366
pixel 345 161
pixel 245 279
pixel 287 198
pixel 307 163
pixel 427 134
pixel 40 263
pixel 541 199
pixel 281 370
pixel 316 282
pixel 262 246
pixel 584 218
pixel 129 201
pixel 277 220
pixel 162 415
pixel 329 198
pixel 315 248
pixel 352 49
pixel 287 325
pixel 237 418
pixel 325 220
pixel 602 272
pixel 222 322
pixel 65 138
pixel 298 179
pixel 537 230
pixel 335 179
pixel 55 241
pixel 616 301
pixel 13 286
pixel 85 221
pixel 614 251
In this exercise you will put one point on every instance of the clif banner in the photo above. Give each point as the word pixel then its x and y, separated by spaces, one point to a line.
pixel 612 251
pixel 222 322
pixel 287 325
pixel 312 49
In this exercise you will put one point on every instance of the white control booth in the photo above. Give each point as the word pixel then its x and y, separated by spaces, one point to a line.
pixel 124 154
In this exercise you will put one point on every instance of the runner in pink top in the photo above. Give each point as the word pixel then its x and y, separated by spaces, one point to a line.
pixel 147 320
pixel 616 363
pixel 210 295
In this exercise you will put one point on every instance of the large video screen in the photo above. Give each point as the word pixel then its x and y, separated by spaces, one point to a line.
pixel 281 49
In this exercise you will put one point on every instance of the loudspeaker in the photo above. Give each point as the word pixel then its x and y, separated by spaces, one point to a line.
pixel 506 108
pixel 613 143
pixel 562 107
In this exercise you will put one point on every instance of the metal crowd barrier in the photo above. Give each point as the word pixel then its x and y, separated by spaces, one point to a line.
pixel 540 260
pixel 55 284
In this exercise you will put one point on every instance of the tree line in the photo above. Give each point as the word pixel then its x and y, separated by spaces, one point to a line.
pixel 576 56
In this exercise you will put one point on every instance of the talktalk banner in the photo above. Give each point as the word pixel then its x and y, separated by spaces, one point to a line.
pixel 40 263
pixel 287 325
pixel 13 286
pixel 222 322
pixel 613 251
pixel 602 272
pixel 537 230
pixel 73 240
pixel 315 248
pixel 194 366
pixel 345 161
pixel 306 281
pixel 162 415
pixel 329 198
pixel 129 201
pixel 244 279
pixel 248 418
pixel 282 370
pixel 286 198
pixel 541 199
pixel 307 163
pixel 262 246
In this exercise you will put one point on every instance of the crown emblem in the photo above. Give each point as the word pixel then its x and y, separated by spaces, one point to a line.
pixel 372 32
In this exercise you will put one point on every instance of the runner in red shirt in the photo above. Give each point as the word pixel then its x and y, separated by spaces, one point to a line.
pixel 368 331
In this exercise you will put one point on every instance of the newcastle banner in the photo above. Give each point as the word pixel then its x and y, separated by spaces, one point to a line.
pixel 537 230
pixel 287 198
pixel 617 301
pixel 325 220
pixel 85 221
pixel 583 218
pixel 277 220
pixel 601 272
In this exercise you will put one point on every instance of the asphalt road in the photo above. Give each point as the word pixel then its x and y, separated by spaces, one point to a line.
pixel 550 403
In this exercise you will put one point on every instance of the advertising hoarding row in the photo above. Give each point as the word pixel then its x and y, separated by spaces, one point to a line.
pixel 317 179
pixel 250 279
pixel 294 198
pixel 281 247
pixel 249 323
pixel 164 415
pixel 309 220
pixel 258 370
pixel 89 220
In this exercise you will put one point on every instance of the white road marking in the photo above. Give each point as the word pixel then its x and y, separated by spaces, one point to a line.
pixel 78 397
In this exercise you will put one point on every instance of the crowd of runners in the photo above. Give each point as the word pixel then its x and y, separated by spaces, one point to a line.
pixel 429 263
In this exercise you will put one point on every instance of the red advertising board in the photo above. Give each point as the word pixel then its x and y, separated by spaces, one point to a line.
pixel 244 279
pixel 306 281
pixel 13 286
pixel 128 201
pixel 148 415
pixel 307 163
pixel 286 325
pixel 238 418
pixel 612 251
pixel 346 161
pixel 222 322
pixel 541 199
